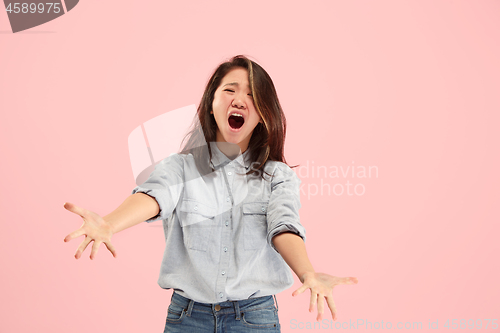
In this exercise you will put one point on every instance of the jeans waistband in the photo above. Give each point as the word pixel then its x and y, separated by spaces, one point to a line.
pixel 228 307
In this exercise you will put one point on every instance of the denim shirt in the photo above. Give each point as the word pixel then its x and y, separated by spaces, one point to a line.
pixel 219 227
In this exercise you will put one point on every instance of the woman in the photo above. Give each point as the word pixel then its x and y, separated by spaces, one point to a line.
pixel 229 204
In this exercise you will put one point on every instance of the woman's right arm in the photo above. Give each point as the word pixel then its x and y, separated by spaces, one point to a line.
pixel 135 209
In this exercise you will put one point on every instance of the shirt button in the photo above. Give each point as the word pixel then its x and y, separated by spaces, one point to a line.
pixel 227 223
pixel 223 272
pixel 221 295
pixel 227 199
pixel 225 249
pixel 195 207
pixel 263 209
pixel 229 173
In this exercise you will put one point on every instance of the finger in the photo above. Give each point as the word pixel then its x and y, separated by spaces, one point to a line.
pixel 95 248
pixel 347 280
pixel 82 247
pixel 300 290
pixel 321 307
pixel 331 305
pixel 74 234
pixel 111 248
pixel 75 209
pixel 314 300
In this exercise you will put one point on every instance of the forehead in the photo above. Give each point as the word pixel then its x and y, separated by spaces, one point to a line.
pixel 238 75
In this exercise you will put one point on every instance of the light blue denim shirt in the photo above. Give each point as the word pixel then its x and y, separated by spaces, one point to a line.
pixel 219 227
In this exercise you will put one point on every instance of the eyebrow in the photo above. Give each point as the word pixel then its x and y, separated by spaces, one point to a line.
pixel 233 84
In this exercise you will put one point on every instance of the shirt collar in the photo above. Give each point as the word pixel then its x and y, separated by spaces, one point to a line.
pixel 219 159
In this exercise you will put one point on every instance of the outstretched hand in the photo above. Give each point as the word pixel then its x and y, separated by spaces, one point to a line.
pixel 321 286
pixel 95 229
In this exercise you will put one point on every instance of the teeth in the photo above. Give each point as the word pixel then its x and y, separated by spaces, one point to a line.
pixel 236 114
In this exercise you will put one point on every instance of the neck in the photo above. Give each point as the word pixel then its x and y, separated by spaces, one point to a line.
pixel 231 150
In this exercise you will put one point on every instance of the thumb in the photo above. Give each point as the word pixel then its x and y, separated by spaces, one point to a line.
pixel 74 209
pixel 300 290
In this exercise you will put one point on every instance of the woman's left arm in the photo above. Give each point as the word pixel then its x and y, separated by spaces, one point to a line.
pixel 293 250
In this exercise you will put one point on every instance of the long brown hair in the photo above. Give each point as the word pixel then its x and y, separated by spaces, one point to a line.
pixel 268 137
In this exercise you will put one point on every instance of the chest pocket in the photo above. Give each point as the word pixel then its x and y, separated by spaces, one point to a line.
pixel 255 225
pixel 197 222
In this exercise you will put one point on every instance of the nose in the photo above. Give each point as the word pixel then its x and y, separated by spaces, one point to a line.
pixel 238 101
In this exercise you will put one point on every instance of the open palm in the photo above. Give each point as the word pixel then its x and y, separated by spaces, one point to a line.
pixel 321 286
pixel 95 229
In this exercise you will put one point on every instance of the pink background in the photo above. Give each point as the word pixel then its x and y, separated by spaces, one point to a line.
pixel 410 87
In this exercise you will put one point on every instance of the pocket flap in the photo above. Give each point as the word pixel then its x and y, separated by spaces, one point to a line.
pixel 259 208
pixel 195 207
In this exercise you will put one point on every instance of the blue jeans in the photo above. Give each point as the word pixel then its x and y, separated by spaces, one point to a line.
pixel 251 315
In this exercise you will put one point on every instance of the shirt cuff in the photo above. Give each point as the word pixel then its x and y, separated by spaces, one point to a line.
pixel 162 203
pixel 285 228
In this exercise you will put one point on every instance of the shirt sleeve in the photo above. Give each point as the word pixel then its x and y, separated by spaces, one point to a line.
pixel 165 185
pixel 284 204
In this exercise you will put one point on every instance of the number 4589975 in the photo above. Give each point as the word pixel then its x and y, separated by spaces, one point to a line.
pixel 32 8
pixel 471 324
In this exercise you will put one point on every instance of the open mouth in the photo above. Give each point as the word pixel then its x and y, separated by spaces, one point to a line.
pixel 236 121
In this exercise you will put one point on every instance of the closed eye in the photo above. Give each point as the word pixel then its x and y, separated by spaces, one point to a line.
pixel 230 90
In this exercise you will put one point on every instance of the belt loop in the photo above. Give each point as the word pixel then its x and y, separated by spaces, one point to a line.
pixel 190 308
pixel 276 301
pixel 237 309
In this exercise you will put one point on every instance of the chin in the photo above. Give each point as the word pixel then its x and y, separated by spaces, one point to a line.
pixel 233 141
pixel 232 138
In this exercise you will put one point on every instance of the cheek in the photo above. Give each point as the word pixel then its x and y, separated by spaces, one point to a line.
pixel 218 102
pixel 215 102
pixel 218 111
pixel 254 117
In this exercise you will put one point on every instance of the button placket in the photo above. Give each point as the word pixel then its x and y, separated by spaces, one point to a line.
pixel 226 217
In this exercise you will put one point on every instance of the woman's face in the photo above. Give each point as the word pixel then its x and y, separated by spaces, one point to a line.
pixel 233 109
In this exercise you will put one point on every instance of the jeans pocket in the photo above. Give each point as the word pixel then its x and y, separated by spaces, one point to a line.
pixel 197 221
pixel 255 225
pixel 175 313
pixel 261 318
